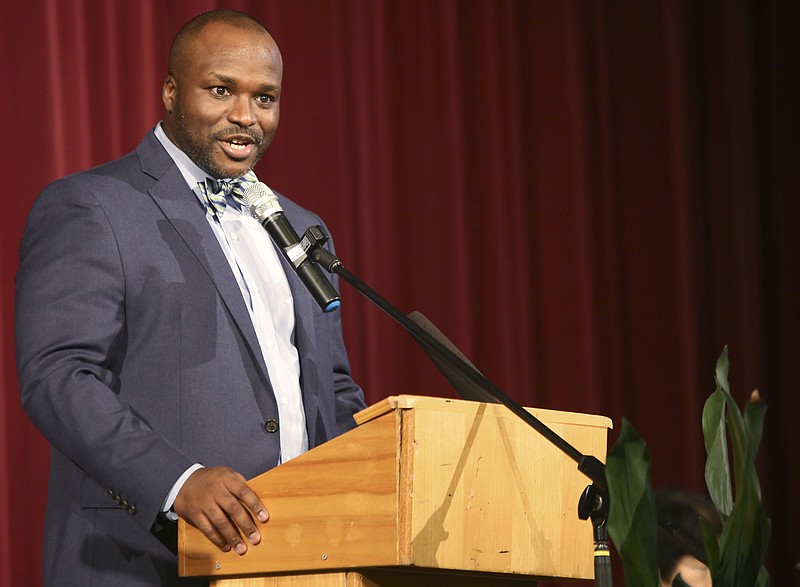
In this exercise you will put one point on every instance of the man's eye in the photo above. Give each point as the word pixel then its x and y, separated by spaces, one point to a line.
pixel 265 98
pixel 219 91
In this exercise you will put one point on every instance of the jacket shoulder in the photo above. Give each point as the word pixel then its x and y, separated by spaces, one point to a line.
pixel 136 170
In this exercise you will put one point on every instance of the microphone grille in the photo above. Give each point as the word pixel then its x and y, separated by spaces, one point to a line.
pixel 261 200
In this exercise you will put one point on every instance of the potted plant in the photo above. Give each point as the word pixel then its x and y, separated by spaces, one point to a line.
pixel 735 556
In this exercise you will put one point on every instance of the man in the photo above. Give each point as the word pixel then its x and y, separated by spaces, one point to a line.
pixel 165 349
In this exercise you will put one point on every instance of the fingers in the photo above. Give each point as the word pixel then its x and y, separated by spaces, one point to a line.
pixel 218 502
pixel 248 497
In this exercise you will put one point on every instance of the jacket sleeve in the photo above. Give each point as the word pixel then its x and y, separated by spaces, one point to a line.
pixel 70 328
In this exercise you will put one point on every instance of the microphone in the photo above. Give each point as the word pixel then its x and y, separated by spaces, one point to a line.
pixel 263 203
pixel 464 386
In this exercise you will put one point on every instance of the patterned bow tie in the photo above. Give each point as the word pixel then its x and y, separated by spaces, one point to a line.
pixel 216 191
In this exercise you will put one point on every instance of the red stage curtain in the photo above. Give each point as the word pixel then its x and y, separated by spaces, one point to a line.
pixel 589 198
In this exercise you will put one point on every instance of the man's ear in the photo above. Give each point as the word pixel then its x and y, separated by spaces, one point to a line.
pixel 168 93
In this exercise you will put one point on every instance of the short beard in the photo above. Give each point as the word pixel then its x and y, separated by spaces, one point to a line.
pixel 200 148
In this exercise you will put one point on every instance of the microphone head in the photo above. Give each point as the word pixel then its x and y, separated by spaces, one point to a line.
pixel 464 386
pixel 261 200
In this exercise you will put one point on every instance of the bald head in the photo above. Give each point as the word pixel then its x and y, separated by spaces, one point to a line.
pixel 222 93
pixel 181 51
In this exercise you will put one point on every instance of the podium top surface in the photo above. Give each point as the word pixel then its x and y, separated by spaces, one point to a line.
pixel 421 402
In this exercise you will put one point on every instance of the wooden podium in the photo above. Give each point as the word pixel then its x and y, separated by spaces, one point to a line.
pixel 425 491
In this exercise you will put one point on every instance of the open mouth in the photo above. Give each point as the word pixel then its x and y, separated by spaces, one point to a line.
pixel 237 148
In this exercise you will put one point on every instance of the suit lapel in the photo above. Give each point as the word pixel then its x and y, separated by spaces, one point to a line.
pixel 186 214
pixel 180 206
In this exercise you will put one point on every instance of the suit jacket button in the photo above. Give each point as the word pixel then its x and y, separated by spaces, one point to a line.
pixel 132 510
pixel 271 426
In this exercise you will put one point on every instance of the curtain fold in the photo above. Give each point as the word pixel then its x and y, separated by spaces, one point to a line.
pixel 589 198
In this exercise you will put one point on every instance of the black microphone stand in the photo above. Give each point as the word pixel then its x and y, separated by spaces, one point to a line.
pixel 594 502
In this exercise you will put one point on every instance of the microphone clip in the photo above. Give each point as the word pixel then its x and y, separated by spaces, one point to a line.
pixel 313 242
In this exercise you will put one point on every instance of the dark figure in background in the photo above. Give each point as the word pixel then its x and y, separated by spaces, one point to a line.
pixel 165 348
pixel 684 509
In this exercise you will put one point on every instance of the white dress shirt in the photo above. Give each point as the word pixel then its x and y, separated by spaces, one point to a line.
pixel 256 266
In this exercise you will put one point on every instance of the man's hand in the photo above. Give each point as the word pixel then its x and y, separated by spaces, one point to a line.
pixel 218 502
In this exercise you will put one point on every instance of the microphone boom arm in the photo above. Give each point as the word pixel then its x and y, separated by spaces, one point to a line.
pixel 312 242
pixel 594 503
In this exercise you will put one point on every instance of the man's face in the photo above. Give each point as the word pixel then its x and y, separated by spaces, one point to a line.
pixel 222 106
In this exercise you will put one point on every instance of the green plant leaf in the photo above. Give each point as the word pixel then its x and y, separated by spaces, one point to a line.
pixel 737 434
pixel 744 538
pixel 754 414
pixel 721 371
pixel 738 561
pixel 711 545
pixel 717 472
pixel 632 514
pixel 763 578
pixel 746 534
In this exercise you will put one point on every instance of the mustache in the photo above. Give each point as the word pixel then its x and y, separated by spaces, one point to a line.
pixel 235 129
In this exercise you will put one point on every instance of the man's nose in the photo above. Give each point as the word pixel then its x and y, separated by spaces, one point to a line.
pixel 242 111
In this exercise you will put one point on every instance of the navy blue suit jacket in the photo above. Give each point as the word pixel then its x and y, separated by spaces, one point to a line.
pixel 137 358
